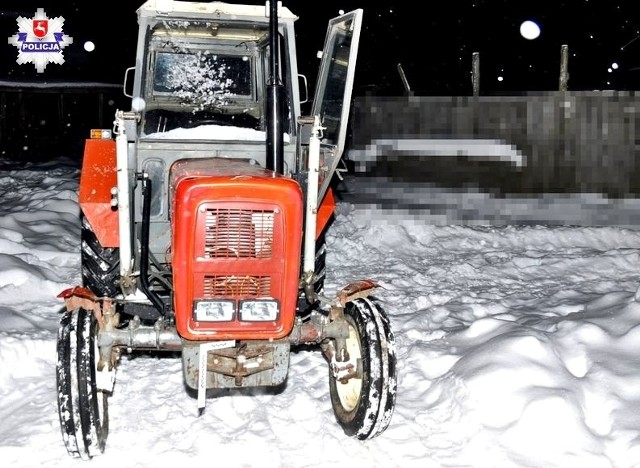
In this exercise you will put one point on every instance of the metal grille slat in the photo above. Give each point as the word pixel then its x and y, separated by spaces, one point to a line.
pixel 238 233
pixel 236 286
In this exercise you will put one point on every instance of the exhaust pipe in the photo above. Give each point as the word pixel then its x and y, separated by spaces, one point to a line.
pixel 275 89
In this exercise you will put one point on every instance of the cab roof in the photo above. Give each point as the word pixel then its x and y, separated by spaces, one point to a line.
pixel 210 10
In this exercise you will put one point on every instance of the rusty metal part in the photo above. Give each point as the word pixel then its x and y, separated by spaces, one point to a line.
pixel 315 331
pixel 328 349
pixel 309 291
pixel 336 312
pixel 108 320
pixel 343 369
pixel 82 298
pixel 77 291
pixel 356 290
pixel 336 356
pixel 341 354
pixel 79 297
pixel 248 364
pixel 128 284
pixel 241 362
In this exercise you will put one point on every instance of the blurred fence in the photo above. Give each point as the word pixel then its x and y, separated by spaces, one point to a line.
pixel 570 142
pixel 50 120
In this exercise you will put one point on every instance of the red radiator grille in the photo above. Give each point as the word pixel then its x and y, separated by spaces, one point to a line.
pixel 236 286
pixel 238 233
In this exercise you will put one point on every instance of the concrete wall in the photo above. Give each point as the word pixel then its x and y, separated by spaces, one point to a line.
pixel 572 142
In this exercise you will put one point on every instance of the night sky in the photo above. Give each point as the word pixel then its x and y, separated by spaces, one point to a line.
pixel 435 48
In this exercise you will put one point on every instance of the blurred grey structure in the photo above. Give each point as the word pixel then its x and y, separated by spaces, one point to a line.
pixel 570 142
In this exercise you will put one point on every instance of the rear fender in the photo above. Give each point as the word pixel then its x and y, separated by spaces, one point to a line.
pixel 97 178
pixel 325 211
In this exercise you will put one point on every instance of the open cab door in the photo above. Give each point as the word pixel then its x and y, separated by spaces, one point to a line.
pixel 362 362
pixel 332 99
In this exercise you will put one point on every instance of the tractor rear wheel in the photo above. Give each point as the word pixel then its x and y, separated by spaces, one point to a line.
pixel 100 265
pixel 364 399
pixel 82 407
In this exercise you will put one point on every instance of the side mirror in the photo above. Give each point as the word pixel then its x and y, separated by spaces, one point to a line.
pixel 302 83
pixel 126 80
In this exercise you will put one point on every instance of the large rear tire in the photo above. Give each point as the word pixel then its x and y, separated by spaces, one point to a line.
pixel 364 404
pixel 100 265
pixel 82 407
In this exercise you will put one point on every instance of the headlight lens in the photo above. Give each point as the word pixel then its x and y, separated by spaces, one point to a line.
pixel 214 311
pixel 264 310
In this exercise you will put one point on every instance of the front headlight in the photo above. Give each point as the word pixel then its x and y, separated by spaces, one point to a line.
pixel 214 311
pixel 262 310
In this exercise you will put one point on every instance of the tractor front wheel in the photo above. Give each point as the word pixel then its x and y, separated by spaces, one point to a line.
pixel 82 407
pixel 363 388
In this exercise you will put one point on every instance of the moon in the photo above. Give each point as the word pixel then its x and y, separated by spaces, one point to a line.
pixel 89 46
pixel 529 30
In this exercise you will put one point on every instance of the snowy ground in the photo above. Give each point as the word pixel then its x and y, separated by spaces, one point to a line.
pixel 517 347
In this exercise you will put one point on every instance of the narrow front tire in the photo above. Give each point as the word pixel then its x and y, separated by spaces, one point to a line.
pixel 364 403
pixel 82 407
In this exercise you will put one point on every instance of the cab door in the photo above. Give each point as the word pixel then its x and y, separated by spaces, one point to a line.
pixel 334 85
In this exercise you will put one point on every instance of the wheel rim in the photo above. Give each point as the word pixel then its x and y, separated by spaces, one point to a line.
pixel 350 392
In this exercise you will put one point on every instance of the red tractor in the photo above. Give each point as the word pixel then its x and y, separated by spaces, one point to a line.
pixel 204 216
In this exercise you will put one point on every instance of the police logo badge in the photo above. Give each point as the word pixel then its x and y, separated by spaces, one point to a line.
pixel 40 40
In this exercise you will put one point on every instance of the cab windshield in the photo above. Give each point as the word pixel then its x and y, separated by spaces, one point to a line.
pixel 210 78
pixel 203 73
